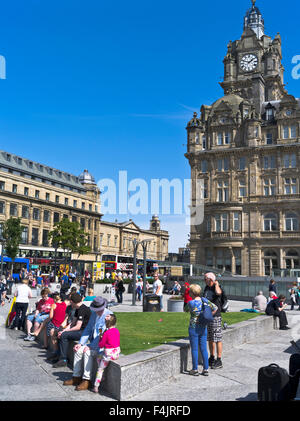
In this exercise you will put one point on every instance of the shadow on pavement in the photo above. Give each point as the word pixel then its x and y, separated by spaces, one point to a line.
pixel 250 397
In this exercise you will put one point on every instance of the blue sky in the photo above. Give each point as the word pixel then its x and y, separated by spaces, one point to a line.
pixel 110 86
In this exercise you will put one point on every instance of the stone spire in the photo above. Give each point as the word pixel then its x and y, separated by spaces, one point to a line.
pixel 254 20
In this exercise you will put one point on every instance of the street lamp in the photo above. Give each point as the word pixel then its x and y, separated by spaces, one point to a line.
pixel 136 243
pixel 2 241
pixel 2 252
pixel 144 246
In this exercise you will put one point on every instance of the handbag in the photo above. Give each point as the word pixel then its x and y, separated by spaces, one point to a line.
pixel 224 301
pixel 205 315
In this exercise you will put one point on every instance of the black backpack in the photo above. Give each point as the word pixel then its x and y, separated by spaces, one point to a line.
pixel 276 384
pixel 273 384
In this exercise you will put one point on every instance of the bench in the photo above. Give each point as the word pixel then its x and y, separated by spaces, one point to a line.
pixel 138 372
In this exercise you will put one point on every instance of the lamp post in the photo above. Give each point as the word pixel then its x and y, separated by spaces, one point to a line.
pixel 2 252
pixel 144 245
pixel 135 248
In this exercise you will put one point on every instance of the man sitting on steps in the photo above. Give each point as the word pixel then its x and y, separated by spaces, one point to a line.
pixel 73 331
pixel 85 355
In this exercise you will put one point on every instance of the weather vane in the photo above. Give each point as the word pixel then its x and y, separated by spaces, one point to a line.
pixel 253 2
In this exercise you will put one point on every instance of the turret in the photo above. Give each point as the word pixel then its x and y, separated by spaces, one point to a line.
pixel 254 21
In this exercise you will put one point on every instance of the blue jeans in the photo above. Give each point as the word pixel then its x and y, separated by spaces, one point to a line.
pixel 198 337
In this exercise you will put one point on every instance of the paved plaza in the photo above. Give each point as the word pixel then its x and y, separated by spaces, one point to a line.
pixel 26 375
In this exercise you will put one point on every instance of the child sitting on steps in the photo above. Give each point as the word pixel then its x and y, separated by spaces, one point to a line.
pixel 110 341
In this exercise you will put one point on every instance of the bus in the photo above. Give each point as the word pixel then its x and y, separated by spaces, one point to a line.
pixel 125 263
pixel 19 263
pixel 115 262
pixel 110 261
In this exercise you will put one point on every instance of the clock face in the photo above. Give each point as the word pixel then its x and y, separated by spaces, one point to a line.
pixel 249 62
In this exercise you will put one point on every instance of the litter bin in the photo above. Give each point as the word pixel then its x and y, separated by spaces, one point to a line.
pixel 151 303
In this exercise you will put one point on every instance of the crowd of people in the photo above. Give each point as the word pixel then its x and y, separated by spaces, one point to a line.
pixel 77 314
pixel 64 316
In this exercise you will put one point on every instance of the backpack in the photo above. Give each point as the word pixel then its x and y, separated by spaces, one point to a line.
pixel 205 315
pixel 273 384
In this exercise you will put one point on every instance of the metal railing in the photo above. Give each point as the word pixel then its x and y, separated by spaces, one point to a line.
pixel 246 288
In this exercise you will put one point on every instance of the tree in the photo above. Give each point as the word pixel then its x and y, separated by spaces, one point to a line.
pixel 70 237
pixel 12 236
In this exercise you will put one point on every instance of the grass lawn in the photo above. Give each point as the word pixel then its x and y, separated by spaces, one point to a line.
pixel 140 331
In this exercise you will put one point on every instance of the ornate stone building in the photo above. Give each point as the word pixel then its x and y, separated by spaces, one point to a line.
pixel 41 196
pixel 116 239
pixel 245 151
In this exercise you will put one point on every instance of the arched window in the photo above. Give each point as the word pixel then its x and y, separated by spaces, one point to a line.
pixel 291 222
pixel 270 222
pixel 270 261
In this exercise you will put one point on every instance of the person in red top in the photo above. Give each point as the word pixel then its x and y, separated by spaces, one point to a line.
pixel 57 316
pixel 110 343
pixel 40 315
pixel 186 295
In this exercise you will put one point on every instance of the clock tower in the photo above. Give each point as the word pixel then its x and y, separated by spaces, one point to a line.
pixel 244 154
pixel 252 65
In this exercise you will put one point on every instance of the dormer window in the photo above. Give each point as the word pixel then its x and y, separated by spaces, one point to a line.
pixel 269 114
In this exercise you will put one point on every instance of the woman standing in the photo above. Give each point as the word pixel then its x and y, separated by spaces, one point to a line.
pixel 197 332
pixel 83 287
pixel 22 294
pixel 120 289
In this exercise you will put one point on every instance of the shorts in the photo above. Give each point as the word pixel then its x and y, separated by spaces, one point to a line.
pixel 50 326
pixel 38 319
pixel 214 330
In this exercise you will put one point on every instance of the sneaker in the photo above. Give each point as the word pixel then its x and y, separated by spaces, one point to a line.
pixel 211 361
pixel 284 328
pixel 60 363
pixel 31 338
pixel 194 372
pixel 204 373
pixel 217 364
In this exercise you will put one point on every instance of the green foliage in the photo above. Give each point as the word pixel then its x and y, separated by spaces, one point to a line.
pixel 69 236
pixel 12 235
